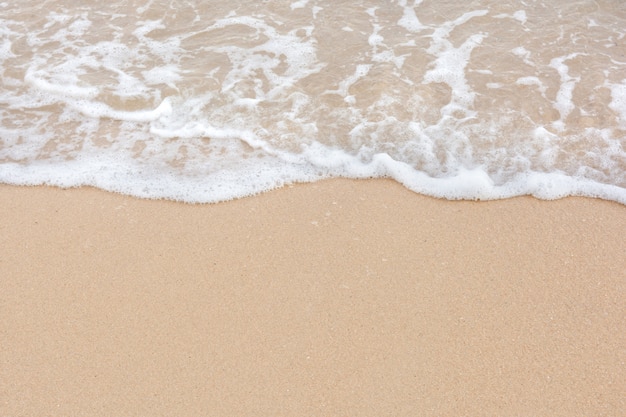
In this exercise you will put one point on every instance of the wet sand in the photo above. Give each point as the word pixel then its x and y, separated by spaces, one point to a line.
pixel 337 298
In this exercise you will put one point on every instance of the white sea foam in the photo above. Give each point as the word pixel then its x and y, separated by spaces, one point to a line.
pixel 564 102
pixel 409 19
pixel 618 101
pixel 204 103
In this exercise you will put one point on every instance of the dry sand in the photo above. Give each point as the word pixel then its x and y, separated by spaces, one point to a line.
pixel 341 298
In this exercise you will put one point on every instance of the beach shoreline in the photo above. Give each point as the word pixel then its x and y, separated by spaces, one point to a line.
pixel 341 297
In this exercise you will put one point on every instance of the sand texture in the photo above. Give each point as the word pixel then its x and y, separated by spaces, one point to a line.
pixel 340 298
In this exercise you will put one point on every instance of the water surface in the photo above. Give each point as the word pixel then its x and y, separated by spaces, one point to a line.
pixel 205 101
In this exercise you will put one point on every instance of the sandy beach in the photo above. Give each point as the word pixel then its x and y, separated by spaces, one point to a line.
pixel 339 298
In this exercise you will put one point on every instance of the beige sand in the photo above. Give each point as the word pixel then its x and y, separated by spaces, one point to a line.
pixel 340 298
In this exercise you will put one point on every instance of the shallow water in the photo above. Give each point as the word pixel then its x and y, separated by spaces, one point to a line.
pixel 205 101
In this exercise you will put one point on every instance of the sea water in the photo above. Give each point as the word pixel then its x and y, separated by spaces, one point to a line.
pixel 209 100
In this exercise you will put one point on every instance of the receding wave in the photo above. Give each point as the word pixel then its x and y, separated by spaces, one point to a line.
pixel 205 101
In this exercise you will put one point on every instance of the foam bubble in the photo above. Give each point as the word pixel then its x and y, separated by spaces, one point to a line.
pixel 564 102
pixel 618 101
pixel 520 16
pixel 100 110
pixel 409 19
pixel 530 80
pixel 300 4
pixel 62 85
